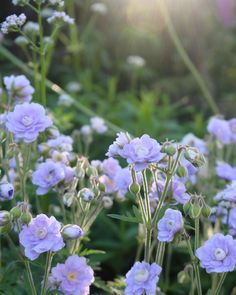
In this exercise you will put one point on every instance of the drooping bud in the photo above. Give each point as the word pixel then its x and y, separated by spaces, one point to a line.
pixel 68 199
pixel 91 171
pixel 168 148
pixel 134 188
pixel 182 171
pixel 206 211
pixel 5 218
pixel 107 202
pixel 6 191
pixel 72 231
pixel 186 208
pixel 86 194
pixel 15 212
pixel 26 218
pixel 102 187
pixel 193 155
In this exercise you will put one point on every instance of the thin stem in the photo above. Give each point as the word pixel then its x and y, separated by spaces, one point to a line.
pixel 187 61
pixel 46 273
pixel 160 253
pixel 30 277
pixel 148 241
pixel 146 196
pixel 220 284
pixel 196 244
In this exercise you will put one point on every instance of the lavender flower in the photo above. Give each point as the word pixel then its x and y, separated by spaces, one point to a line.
pixel 116 148
pixel 27 121
pixel 142 151
pixel 19 88
pixel 62 143
pixel 179 191
pixel 72 231
pixel 98 125
pixel 170 224
pixel 47 175
pixel 218 254
pixel 110 167
pixel 60 16
pixel 226 9
pixel 225 171
pixel 232 218
pixel 6 191
pixel 13 23
pixel 220 129
pixel 142 278
pixel 232 126
pixel 41 235
pixel 192 140
pixel 74 277
pixel 228 194
pixel 123 180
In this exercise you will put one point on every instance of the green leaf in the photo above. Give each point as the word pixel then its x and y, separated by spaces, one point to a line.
pixel 87 252
pixel 128 217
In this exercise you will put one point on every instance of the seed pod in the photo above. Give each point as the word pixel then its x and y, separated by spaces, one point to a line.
pixel 15 212
pixel 26 218
pixel 5 218
pixel 206 211
pixel 182 171
pixel 134 188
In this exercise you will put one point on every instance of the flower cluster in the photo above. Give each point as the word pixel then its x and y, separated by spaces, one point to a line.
pixel 58 16
pixel 12 23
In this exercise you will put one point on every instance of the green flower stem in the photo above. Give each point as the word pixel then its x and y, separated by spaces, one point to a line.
pixel 146 195
pixel 220 284
pixel 30 277
pixel 160 253
pixel 148 240
pixel 187 61
pixel 194 262
pixel 197 228
pixel 49 258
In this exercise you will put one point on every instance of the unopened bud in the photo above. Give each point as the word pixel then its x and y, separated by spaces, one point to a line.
pixel 15 212
pixel 195 211
pixel 186 208
pixel 194 156
pixel 134 188
pixel 206 211
pixel 102 187
pixel 26 218
pixel 6 191
pixel 86 194
pixel 107 202
pixel 169 149
pixel 68 199
pixel 5 218
pixel 91 171
pixel 72 231
pixel 182 171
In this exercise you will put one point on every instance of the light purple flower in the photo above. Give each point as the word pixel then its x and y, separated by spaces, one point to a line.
pixel 116 148
pixel 192 140
pixel 218 254
pixel 27 121
pixel 47 175
pixel 225 171
pixel 179 191
pixel 123 180
pixel 63 143
pixel 142 151
pixel 228 194
pixel 74 277
pixel 232 218
pixel 19 88
pixel 170 224
pixel 6 191
pixel 220 129
pixel 226 12
pixel 41 235
pixel 110 167
pixel 232 126
pixel 110 185
pixel 142 278
pixel 98 125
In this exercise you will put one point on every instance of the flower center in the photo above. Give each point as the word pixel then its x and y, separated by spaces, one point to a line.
pixel 41 233
pixel 170 224
pixel 49 176
pixel 219 254
pixel 71 276
pixel 141 151
pixel 141 275
pixel 27 120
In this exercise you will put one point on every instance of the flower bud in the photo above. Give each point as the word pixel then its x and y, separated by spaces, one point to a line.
pixel 206 211
pixel 134 188
pixel 186 208
pixel 6 191
pixel 91 171
pixel 86 194
pixel 182 171
pixel 68 199
pixel 169 149
pixel 107 202
pixel 194 156
pixel 102 187
pixel 5 218
pixel 26 218
pixel 195 211
pixel 15 212
pixel 72 231
pixel 183 277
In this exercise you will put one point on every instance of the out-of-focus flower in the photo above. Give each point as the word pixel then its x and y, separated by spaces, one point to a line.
pixel 192 140
pixel 142 278
pixel 13 23
pixel 72 231
pixel 31 28
pixel 117 147
pixel 60 3
pixel 99 7
pixel 136 61
pixel 232 126
pixel 65 100
pixel 98 125
pixel 228 194
pixel 107 202
pixel 18 88
pixel 58 16
pixel 170 224
pixel 6 191
pixel 73 86
pixel 218 254
pixel 21 41
pixel 225 171
pixel 226 12
pixel 232 218
pixel 179 192
pixel 27 121
pixel 47 175
pixel 62 143
pixel 142 151
pixel 86 194
pixel 110 167
pixel 86 130
pixel 41 235
pixel 220 129
pixel 74 277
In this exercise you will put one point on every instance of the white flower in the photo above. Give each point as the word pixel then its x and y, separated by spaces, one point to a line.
pixel 99 8
pixel 65 100
pixel 86 130
pixel 31 28
pixel 57 2
pixel 73 86
pixel 136 60
pixel 60 16
pixel 21 41
pixel 13 22
pixel 98 125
